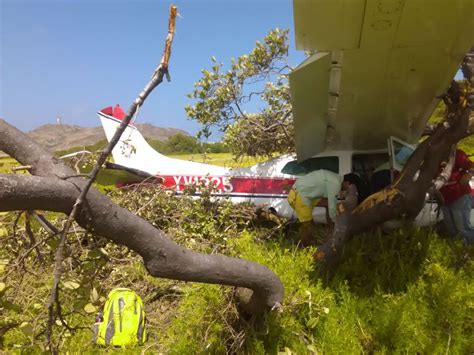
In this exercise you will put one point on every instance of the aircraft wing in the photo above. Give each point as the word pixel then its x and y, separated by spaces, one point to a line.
pixel 378 70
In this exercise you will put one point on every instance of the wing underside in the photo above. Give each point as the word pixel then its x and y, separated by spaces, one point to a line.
pixel 379 68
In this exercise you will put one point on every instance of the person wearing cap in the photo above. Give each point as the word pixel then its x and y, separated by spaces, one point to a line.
pixel 308 191
pixel 456 195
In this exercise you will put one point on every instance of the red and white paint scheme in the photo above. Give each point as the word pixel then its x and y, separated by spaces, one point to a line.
pixel 265 184
pixel 262 184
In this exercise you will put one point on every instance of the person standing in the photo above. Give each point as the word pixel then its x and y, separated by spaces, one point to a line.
pixel 456 195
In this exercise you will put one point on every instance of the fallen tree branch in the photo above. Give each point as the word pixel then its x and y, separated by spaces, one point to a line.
pixel 31 236
pixel 162 257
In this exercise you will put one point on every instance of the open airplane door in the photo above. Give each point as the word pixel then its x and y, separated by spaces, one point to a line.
pixel 399 152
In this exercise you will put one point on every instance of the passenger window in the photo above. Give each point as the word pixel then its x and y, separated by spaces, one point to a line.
pixel 310 165
pixel 399 153
pixel 293 168
pixel 402 153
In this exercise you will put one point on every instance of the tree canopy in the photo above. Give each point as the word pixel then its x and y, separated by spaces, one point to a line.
pixel 250 102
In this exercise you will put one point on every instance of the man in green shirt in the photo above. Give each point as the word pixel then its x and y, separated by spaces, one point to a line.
pixel 308 191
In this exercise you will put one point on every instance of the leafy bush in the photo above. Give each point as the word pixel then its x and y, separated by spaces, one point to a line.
pixel 410 291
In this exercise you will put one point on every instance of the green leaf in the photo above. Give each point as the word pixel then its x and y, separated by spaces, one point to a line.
pixel 72 285
pixel 79 304
pixel 95 253
pixel 27 329
pixel 90 308
pixel 103 251
pixel 94 295
pixel 3 232
pixel 53 243
pixel 10 306
pixel 312 322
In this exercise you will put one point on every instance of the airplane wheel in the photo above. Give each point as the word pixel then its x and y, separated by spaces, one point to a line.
pixel 273 211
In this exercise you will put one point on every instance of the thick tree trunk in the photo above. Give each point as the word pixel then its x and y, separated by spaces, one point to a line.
pixel 51 189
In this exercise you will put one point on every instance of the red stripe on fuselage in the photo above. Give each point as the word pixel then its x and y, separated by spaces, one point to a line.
pixel 232 184
pixel 260 185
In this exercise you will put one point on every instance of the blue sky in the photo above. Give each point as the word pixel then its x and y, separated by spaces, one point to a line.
pixel 73 57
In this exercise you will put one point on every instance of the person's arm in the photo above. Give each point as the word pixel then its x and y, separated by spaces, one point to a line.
pixel 465 178
pixel 333 188
pixel 350 202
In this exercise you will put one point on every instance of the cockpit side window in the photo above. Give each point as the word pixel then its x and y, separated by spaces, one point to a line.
pixel 402 153
pixel 309 165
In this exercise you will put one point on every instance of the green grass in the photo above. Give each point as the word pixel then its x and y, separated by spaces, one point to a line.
pixel 6 163
pixel 221 159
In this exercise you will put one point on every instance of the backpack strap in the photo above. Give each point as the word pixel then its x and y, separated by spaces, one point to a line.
pixel 110 330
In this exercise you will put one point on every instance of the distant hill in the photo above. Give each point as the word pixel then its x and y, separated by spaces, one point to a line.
pixel 64 137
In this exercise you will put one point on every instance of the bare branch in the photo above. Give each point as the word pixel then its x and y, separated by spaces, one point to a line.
pixel 162 257
pixel 22 167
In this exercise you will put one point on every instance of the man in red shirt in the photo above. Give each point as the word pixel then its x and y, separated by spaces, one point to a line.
pixel 457 199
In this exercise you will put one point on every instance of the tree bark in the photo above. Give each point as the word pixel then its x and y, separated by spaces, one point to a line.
pixel 51 189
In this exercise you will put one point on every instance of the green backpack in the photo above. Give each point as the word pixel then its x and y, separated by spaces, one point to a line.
pixel 124 320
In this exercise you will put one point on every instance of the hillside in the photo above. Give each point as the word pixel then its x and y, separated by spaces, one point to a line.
pixel 63 137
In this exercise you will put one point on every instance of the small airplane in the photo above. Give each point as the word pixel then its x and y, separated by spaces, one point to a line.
pixel 264 184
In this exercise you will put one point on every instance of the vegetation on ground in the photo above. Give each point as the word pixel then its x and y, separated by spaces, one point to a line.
pixel 177 144
pixel 6 164
pixel 410 291
pixel 221 159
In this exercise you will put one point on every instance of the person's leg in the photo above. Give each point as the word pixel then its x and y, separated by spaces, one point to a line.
pixel 466 207
pixel 458 213
pixel 305 217
pixel 306 233
pixel 448 221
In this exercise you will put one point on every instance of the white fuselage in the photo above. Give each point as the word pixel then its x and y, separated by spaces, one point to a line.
pixel 265 184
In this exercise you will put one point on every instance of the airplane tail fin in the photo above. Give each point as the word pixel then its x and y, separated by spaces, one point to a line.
pixel 132 150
